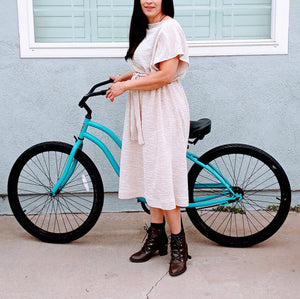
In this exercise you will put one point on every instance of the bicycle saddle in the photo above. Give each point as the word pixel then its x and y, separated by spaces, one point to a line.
pixel 200 128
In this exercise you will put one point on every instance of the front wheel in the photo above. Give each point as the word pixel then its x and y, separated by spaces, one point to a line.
pixel 265 190
pixel 68 215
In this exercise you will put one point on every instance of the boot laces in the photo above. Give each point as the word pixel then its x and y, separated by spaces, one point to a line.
pixel 150 240
pixel 176 250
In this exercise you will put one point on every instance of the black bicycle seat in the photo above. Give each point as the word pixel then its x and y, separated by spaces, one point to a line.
pixel 200 128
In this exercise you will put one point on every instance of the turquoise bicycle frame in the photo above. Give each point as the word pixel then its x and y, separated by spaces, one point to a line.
pixel 203 201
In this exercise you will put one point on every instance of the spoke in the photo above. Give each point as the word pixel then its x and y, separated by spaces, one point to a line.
pixel 267 188
pixel 246 181
pixel 50 215
pixel 67 194
pixel 257 178
pixel 32 182
pixel 222 221
pixel 229 220
pixel 232 165
pixel 40 166
pixel 241 164
pixel 74 215
pixel 32 202
pixel 71 201
pixel 227 168
pixel 37 196
pixel 34 176
pixel 256 219
pixel 55 219
pixel 246 173
pixel 47 166
pixel 249 201
pixel 77 185
pixel 211 215
pixel 209 179
pixel 236 228
pixel 247 197
pixel 66 216
pixel 248 222
pixel 47 203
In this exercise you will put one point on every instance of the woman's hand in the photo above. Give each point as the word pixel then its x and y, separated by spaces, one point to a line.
pixel 117 78
pixel 122 77
pixel 115 90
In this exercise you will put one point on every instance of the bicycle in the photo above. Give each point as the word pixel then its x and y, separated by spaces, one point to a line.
pixel 56 192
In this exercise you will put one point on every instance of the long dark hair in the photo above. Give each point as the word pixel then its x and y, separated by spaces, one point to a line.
pixel 139 24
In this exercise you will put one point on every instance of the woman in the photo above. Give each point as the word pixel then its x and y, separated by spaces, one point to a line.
pixel 156 128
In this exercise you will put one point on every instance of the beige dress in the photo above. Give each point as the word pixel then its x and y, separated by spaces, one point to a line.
pixel 153 159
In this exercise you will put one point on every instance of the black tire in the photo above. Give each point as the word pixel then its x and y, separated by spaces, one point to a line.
pixel 71 213
pixel 266 196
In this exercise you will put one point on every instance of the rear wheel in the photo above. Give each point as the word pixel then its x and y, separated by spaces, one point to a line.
pixel 265 190
pixel 68 215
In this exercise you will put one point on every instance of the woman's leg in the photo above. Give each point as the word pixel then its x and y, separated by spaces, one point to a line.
pixel 157 215
pixel 173 218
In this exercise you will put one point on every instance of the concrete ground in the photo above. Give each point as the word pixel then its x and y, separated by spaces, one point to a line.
pixel 97 265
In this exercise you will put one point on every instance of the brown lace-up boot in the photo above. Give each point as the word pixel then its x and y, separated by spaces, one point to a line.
pixel 179 254
pixel 157 240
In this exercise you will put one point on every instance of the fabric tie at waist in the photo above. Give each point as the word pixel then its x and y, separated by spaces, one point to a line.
pixel 136 129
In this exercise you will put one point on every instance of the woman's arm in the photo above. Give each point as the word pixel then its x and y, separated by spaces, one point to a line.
pixel 165 75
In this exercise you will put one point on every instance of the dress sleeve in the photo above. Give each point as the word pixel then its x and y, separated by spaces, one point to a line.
pixel 170 43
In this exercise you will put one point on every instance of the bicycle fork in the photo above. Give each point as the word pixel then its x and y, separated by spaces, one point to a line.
pixel 69 169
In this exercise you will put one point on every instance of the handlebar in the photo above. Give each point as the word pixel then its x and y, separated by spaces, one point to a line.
pixel 92 93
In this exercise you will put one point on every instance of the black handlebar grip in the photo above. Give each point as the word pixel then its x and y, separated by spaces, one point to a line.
pixel 91 93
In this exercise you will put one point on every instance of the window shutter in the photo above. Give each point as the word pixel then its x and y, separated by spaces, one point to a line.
pixel 224 19
pixel 81 20
pixel 61 20
pixel 197 17
pixel 111 20
pixel 244 19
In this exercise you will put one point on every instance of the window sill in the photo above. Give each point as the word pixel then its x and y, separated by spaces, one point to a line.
pixel 105 50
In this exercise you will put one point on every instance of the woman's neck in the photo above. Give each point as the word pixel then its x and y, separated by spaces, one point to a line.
pixel 157 18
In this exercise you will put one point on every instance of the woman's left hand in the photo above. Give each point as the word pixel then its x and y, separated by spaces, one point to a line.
pixel 116 90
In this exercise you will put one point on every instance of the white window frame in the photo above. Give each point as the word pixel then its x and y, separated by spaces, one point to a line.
pixel 278 44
